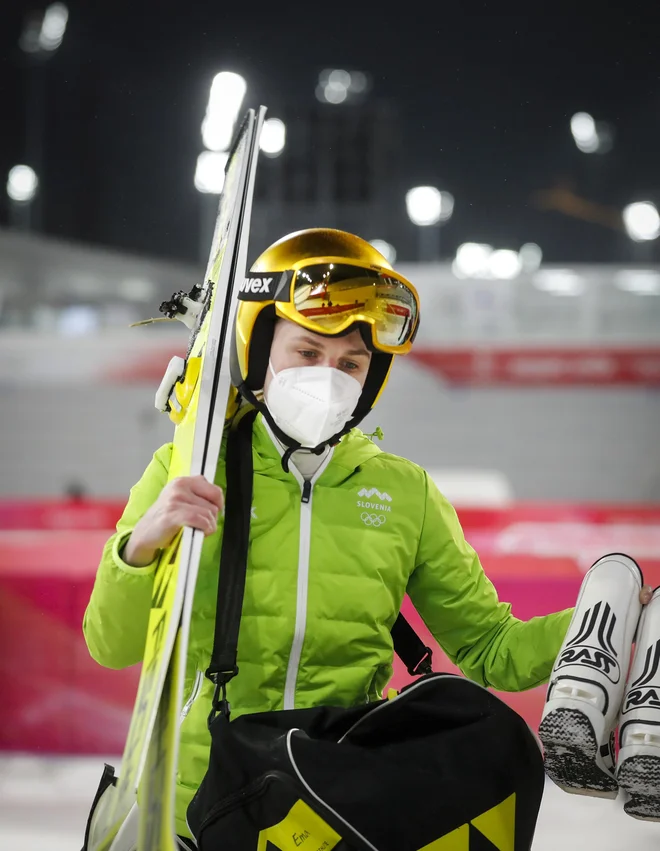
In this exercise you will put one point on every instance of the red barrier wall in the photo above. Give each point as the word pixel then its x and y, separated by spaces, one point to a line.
pixel 56 699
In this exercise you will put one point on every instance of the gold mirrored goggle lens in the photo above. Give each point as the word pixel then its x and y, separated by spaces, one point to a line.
pixel 332 296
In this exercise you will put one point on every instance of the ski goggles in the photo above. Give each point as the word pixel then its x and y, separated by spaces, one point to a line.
pixel 329 298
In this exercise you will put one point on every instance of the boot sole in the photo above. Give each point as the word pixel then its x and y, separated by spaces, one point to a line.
pixel 639 776
pixel 571 750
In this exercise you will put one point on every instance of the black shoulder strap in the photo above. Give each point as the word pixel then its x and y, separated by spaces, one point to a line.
pixel 410 648
pixel 233 569
pixel 233 559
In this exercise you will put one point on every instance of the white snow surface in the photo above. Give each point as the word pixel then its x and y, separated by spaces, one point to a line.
pixel 44 803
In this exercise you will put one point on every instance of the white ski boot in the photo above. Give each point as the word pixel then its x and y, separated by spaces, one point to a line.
pixel 638 763
pixel 589 677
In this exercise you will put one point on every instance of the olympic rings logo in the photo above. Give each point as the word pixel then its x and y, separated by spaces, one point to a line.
pixel 375 520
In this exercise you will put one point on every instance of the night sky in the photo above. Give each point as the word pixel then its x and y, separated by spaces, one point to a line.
pixel 485 99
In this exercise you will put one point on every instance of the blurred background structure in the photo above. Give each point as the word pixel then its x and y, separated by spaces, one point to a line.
pixel 508 165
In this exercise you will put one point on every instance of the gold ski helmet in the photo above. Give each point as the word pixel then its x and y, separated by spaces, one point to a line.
pixel 329 282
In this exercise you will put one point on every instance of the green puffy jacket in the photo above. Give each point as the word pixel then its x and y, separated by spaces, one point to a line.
pixel 325 582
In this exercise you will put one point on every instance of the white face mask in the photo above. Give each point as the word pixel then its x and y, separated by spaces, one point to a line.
pixel 311 403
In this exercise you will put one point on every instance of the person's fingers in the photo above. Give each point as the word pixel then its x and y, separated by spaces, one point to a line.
pixel 645 595
pixel 201 487
pixel 204 519
pixel 191 499
pixel 189 491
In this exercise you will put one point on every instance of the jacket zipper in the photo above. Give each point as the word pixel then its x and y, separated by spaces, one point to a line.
pixel 197 687
pixel 306 492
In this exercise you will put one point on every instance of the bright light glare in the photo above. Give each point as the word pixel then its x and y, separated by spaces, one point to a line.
pixel 504 264
pixel 583 127
pixel 530 257
pixel 335 94
pixel 388 251
pixel 217 131
pixel 334 85
pixel 22 183
pixel 585 132
pixel 210 172
pixel 339 79
pixel 426 205
pixel 472 260
pixel 639 281
pixel 423 204
pixel 590 147
pixel 227 91
pixel 273 137
pixel 78 320
pixel 480 260
pixel 225 99
pixel 53 26
pixel 559 282
pixel 642 221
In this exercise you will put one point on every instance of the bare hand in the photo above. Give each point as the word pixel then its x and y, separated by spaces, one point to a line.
pixel 186 501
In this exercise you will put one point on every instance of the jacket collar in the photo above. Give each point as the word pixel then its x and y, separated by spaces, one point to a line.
pixel 352 450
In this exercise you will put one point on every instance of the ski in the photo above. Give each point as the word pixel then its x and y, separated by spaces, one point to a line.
pixel 156 811
pixel 191 392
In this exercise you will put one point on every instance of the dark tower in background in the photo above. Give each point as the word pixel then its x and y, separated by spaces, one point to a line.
pixel 339 169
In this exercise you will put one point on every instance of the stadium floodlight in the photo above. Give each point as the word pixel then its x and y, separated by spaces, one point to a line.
pixel 472 260
pixel 337 85
pixel 585 134
pixel 427 205
pixel 22 184
pixel 53 26
pixel 591 137
pixel 565 282
pixel 386 249
pixel 210 171
pixel 225 99
pixel 339 79
pixel 334 85
pixel 43 32
pixel 642 221
pixel 504 264
pixel 530 257
pixel 334 94
pixel 273 137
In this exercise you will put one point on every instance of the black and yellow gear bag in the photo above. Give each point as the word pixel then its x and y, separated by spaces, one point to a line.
pixel 444 766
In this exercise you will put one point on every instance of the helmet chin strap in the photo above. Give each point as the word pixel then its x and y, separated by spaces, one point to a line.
pixel 291 444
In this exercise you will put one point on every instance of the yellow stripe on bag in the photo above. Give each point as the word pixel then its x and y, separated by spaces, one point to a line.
pixel 457 840
pixel 497 824
pixel 300 828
